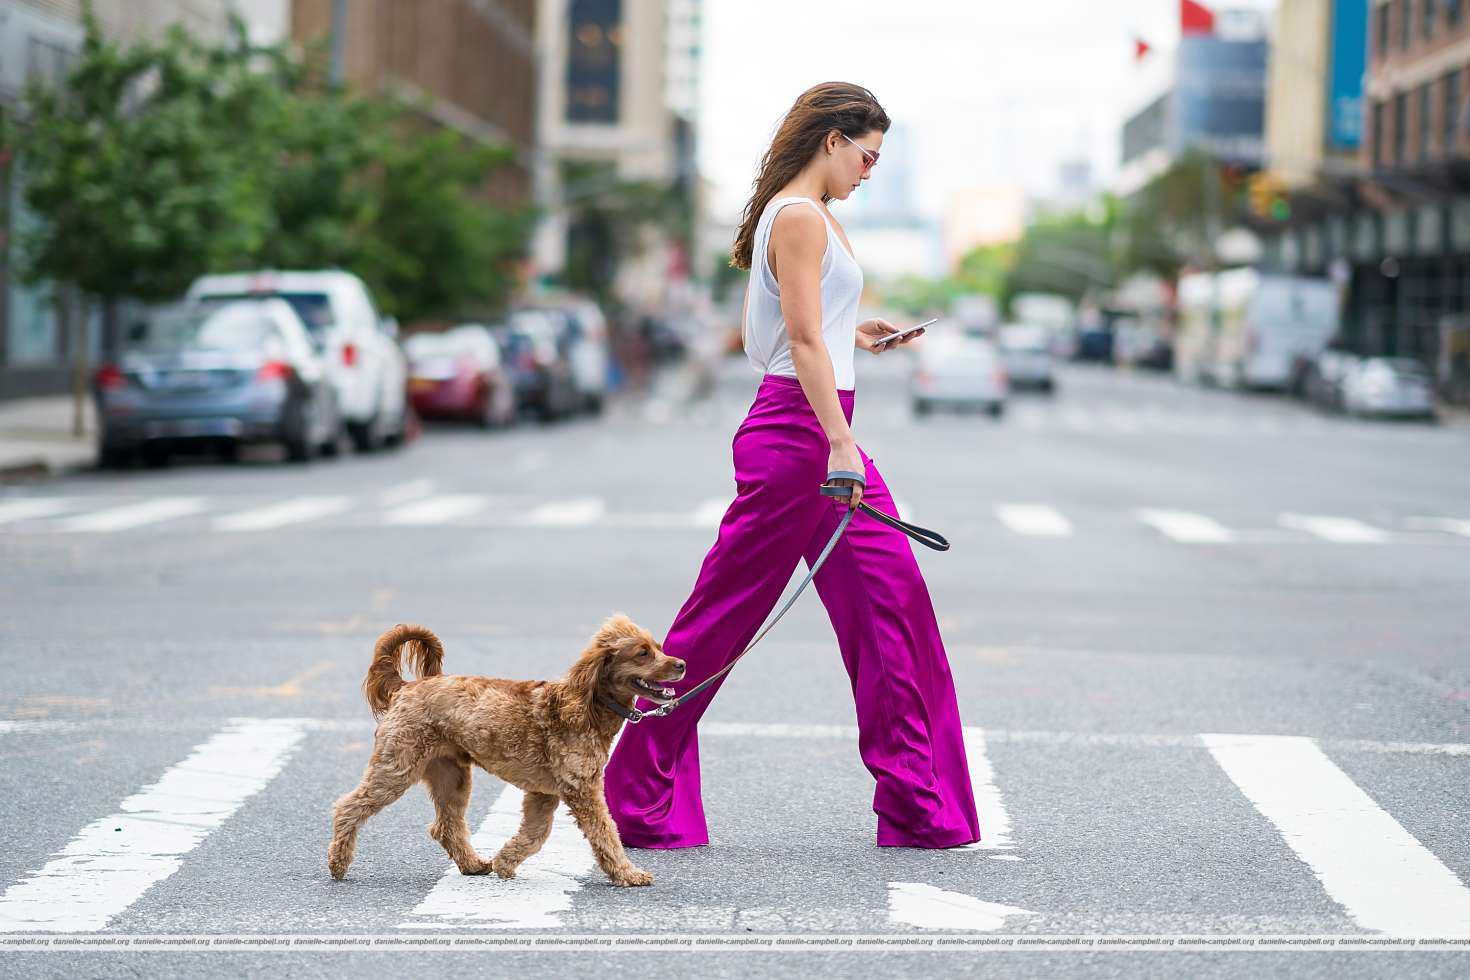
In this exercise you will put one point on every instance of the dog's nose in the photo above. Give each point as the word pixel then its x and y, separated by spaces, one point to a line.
pixel 680 664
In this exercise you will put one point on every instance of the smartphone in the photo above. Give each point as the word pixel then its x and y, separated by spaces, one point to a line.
pixel 905 333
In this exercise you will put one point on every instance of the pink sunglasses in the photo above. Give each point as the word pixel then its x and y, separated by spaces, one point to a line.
pixel 870 157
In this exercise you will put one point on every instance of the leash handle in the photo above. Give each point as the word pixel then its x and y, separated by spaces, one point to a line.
pixel 925 537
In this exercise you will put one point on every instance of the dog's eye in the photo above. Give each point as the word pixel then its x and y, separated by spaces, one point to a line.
pixel 644 652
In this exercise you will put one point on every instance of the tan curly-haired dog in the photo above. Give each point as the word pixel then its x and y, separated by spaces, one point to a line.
pixel 550 738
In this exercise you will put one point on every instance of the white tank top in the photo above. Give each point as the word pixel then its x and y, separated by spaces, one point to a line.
pixel 766 344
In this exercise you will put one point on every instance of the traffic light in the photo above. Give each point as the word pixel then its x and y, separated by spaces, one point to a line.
pixel 1268 198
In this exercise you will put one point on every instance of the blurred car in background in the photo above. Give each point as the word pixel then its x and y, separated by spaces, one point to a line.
pixel 532 348
pixel 587 348
pixel 1026 353
pixel 668 336
pixel 460 373
pixel 959 371
pixel 1389 386
pixel 1324 378
pixel 242 371
pixel 363 358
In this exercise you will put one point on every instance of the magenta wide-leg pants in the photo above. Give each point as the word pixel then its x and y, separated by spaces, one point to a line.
pixel 909 733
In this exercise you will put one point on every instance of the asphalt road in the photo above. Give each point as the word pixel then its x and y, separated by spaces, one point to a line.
pixel 1212 650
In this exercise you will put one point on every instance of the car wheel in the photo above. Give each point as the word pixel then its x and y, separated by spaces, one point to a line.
pixel 995 409
pixel 366 436
pixel 114 457
pixel 155 455
pixel 399 435
pixel 300 447
pixel 921 407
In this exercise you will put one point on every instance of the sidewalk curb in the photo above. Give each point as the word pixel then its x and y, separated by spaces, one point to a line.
pixel 39 467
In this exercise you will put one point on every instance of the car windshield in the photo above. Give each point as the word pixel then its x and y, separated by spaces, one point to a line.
pixel 315 309
pixel 234 327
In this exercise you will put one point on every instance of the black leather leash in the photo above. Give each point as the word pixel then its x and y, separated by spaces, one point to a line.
pixel 925 537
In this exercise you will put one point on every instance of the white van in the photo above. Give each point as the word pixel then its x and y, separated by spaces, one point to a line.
pixel 368 368
pixel 1247 329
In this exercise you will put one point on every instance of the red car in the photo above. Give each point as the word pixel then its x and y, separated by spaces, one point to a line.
pixel 459 374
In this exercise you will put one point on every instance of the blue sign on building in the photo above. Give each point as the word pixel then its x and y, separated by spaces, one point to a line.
pixel 1349 55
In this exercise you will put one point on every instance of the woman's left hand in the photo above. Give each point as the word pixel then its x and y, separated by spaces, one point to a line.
pixel 869 331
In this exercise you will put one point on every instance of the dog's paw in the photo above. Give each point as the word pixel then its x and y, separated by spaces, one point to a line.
pixel 632 878
pixel 337 867
pixel 478 867
pixel 504 870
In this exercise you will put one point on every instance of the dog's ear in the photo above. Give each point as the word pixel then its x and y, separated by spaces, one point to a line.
pixel 585 677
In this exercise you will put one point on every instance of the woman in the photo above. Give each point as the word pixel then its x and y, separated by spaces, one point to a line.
pixel 801 330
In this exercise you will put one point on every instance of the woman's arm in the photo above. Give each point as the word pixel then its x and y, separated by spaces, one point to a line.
pixel 798 242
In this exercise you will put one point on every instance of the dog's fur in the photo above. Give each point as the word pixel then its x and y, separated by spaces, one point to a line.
pixel 550 738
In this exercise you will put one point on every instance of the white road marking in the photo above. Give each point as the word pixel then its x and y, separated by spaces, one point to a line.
pixel 534 899
pixel 711 512
pixel 568 513
pixel 403 492
pixel 29 508
pixel 1186 527
pixel 1453 525
pixel 293 511
pixel 1034 519
pixel 438 509
pixel 995 822
pixel 1344 530
pixel 1365 860
pixel 912 903
pixel 113 861
pixel 134 515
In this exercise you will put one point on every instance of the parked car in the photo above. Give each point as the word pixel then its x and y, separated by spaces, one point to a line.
pixel 243 371
pixel 367 367
pixel 585 340
pixel 1325 377
pixel 1396 386
pixel 460 373
pixel 958 371
pixel 1026 352
pixel 541 373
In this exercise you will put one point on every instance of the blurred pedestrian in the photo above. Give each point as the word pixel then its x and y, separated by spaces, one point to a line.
pixel 801 330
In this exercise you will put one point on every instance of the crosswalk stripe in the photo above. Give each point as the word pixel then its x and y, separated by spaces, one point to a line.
pixel 534 899
pixel 113 861
pixel 32 507
pixel 1344 530
pixel 437 509
pixel 995 821
pixel 292 511
pixel 711 512
pixel 1452 525
pixel 1034 519
pixel 1190 528
pixel 568 513
pixel 134 515
pixel 403 492
pixel 1366 861
pixel 913 903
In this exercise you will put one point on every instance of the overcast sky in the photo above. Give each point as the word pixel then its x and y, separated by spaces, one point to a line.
pixel 988 90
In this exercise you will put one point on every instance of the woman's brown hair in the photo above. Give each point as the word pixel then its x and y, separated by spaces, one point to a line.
pixel 850 109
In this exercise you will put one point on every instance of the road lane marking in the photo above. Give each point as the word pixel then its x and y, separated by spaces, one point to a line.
pixel 913 903
pixel 1186 527
pixel 711 512
pixel 1343 530
pixel 130 516
pixel 568 513
pixel 1034 519
pixel 293 511
pixel 30 508
pixel 404 492
pixel 439 509
pixel 113 861
pixel 1364 858
pixel 995 821
pixel 534 899
pixel 1453 525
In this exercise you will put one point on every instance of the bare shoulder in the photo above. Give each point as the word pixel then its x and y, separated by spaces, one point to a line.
pixel 800 226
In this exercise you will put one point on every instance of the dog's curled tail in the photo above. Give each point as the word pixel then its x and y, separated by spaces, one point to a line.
pixel 425 656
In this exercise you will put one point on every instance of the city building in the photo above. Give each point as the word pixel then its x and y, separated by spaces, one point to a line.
pixel 38 41
pixel 1393 223
pixel 1208 93
pixel 472 62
